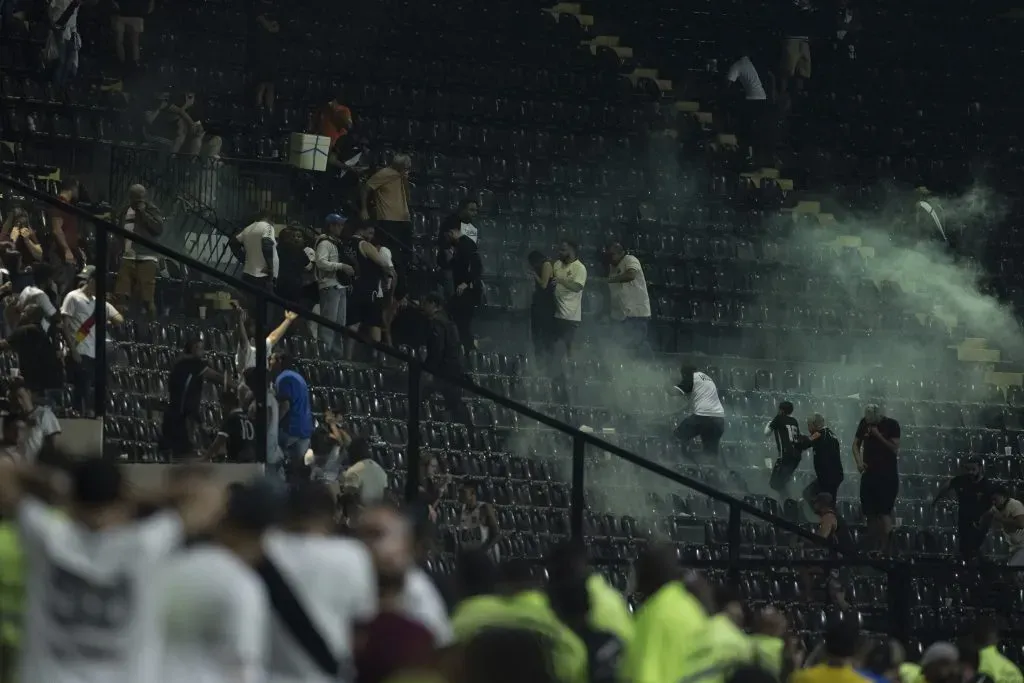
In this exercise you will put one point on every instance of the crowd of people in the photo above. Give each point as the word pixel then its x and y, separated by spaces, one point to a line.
pixel 259 581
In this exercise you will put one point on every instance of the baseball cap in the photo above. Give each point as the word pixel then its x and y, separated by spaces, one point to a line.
pixel 335 218
pixel 86 273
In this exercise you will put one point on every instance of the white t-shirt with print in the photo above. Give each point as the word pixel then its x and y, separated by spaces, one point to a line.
pixel 629 299
pixel 252 237
pixel 32 295
pixel 569 304
pixel 469 230
pixel 91 605
pixel 704 400
pixel 215 618
pixel 335 581
pixel 80 309
pixel 45 424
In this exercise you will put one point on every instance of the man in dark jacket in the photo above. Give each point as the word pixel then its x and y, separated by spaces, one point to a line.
pixel 466 270
pixel 444 356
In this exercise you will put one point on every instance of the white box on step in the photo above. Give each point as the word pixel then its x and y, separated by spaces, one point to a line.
pixel 308 151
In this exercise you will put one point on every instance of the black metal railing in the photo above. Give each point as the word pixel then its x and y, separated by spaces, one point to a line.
pixel 581 440
pixel 737 553
pixel 206 200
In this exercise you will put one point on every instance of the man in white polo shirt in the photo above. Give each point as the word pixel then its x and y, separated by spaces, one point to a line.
pixel 570 276
pixel 707 416
pixel 630 304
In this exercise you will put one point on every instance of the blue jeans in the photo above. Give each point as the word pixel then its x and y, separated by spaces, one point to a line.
pixel 333 302
pixel 293 448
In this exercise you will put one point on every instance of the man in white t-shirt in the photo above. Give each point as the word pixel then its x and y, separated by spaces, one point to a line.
pixel 79 318
pixel 331 578
pixel 570 276
pixel 365 481
pixel 707 416
pixel 38 294
pixel 752 111
pixel 630 304
pixel 259 242
pixel 1007 514
pixel 216 612
pixel 42 426
pixel 91 606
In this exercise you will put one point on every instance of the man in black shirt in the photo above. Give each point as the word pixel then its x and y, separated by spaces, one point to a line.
pixel 236 438
pixel 364 311
pixel 973 491
pixel 875 449
pixel 828 461
pixel 444 355
pixel 786 431
pixel 466 269
pixel 185 388
pixel 38 361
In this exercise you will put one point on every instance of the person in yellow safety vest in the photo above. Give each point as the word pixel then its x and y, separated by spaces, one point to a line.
pixel 842 641
pixel 992 663
pixel 517 607
pixel 769 640
pixel 670 629
pixel 12 594
pixel 609 612
pixel 909 672
pixel 731 648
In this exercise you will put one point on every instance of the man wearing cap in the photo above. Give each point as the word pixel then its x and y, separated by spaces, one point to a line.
pixel 332 277
pixel 79 315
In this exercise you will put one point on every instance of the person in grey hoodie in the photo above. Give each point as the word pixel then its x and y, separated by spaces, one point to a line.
pixel 332 275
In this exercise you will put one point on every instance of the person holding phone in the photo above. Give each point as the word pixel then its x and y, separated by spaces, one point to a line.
pixel 24 250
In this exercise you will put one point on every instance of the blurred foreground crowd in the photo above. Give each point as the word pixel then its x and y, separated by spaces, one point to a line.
pixel 105 581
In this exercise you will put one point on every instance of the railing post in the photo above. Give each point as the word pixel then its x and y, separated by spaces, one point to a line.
pixel 100 315
pixel 262 383
pixel 735 538
pixel 576 504
pixel 412 475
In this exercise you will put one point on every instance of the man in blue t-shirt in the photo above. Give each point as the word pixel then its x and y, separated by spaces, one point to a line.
pixel 296 415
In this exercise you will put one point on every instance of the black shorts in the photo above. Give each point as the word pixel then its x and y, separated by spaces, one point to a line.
pixel 564 331
pixel 782 472
pixel 878 491
pixel 831 487
pixel 364 309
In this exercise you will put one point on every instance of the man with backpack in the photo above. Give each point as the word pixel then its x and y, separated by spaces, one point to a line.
pixel 332 276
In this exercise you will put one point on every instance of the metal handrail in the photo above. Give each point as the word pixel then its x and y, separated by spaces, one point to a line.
pixel 580 439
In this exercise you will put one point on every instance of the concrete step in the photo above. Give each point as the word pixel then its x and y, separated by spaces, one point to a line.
pixel 972 355
pixel 1004 379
